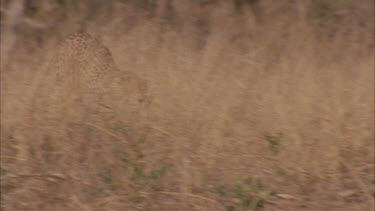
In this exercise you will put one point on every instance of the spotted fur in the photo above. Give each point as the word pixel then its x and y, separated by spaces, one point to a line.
pixel 85 80
pixel 84 64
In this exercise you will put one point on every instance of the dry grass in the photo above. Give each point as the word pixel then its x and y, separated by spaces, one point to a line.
pixel 249 111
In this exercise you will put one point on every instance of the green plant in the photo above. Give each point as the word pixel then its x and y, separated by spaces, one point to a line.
pixel 120 128
pixel 107 176
pixel 251 193
pixel 94 190
pixel 221 190
pixel 135 197
pixel 145 178
pixel 48 148
pixel 321 8
pixel 156 174
pixel 230 208
pixel 3 171
pixel 274 142
pixel 139 171
pixel 124 157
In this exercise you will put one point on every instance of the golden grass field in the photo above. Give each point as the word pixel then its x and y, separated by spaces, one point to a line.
pixel 182 105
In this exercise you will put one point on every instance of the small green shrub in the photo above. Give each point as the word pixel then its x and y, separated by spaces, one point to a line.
pixel 274 142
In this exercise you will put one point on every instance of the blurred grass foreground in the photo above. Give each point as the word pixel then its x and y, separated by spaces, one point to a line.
pixel 187 105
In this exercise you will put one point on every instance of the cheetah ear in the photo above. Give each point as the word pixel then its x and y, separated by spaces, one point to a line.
pixel 91 32
pixel 94 32
pixel 82 30
pixel 98 36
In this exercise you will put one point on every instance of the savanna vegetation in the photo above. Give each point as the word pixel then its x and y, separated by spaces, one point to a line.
pixel 204 105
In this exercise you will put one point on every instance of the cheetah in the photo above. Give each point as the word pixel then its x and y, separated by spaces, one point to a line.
pixel 85 79
pixel 83 62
